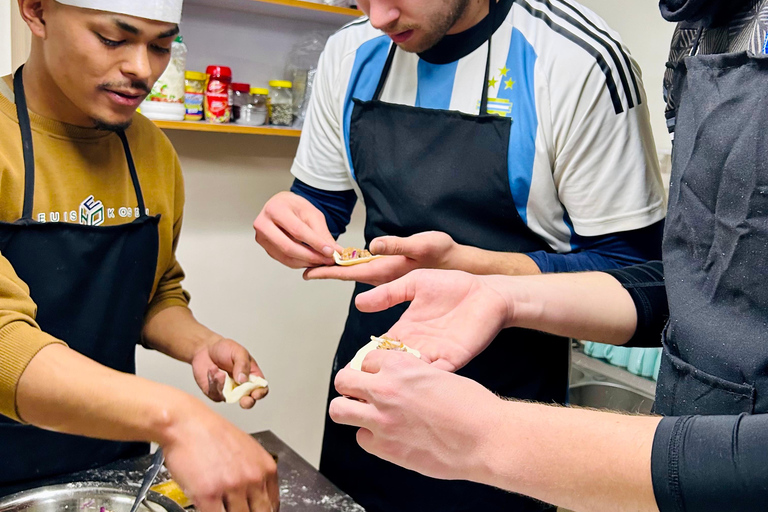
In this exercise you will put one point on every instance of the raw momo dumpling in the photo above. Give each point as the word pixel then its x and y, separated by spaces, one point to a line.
pixel 353 256
pixel 233 393
pixel 380 343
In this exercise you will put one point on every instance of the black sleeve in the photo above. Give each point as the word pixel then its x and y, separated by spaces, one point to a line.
pixel 645 284
pixel 711 463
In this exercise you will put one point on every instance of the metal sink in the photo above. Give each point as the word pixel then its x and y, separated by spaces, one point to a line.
pixel 607 395
pixel 600 385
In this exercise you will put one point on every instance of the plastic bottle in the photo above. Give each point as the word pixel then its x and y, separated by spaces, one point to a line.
pixel 217 105
pixel 166 101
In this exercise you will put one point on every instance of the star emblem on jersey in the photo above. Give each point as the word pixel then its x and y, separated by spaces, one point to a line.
pixel 503 71
pixel 492 82
pixel 509 84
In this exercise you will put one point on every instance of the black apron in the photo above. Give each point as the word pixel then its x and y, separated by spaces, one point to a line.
pixel 715 357
pixel 419 170
pixel 91 286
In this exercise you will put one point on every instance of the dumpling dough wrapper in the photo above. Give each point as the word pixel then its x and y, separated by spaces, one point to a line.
pixel 233 392
pixel 380 343
pixel 339 259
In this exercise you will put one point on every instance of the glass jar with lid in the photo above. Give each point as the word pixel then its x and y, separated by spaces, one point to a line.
pixel 281 100
pixel 255 113
pixel 241 96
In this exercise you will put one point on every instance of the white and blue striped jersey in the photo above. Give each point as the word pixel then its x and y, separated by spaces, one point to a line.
pixel 582 161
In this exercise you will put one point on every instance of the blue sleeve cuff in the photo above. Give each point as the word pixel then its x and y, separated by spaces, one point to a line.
pixel 336 206
pixel 606 252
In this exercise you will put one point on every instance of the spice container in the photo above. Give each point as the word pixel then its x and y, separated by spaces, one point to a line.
pixel 166 101
pixel 194 87
pixel 281 100
pixel 217 104
pixel 255 113
pixel 241 96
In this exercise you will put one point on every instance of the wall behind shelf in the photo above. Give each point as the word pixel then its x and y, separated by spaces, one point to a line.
pixel 255 46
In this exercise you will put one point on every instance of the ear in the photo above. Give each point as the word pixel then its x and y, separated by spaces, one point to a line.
pixel 32 12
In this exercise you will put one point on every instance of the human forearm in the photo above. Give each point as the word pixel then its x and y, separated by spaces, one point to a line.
pixel 482 262
pixel 212 460
pixel 64 391
pixel 579 459
pixel 447 426
pixel 590 306
pixel 175 332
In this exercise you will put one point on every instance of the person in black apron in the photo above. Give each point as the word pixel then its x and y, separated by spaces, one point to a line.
pixel 523 364
pixel 55 260
pixel 708 452
pixel 90 286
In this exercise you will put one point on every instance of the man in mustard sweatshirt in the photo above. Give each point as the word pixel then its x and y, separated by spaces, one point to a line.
pixel 91 200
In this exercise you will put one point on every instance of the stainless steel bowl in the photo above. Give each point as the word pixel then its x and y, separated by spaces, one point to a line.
pixel 85 497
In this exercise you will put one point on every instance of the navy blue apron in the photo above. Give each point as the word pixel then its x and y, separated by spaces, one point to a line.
pixel 91 286
pixel 419 170
pixel 715 358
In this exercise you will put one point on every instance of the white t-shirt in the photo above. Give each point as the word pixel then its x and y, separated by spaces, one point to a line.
pixel 581 156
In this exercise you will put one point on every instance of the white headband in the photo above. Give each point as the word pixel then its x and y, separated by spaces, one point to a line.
pixel 159 10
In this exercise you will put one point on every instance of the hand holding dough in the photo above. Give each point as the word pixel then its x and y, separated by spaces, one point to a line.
pixel 382 343
pixel 233 393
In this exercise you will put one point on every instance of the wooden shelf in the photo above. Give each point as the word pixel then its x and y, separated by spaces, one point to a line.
pixel 298 9
pixel 312 6
pixel 201 126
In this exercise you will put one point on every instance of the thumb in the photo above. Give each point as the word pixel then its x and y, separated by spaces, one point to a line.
pixel 390 246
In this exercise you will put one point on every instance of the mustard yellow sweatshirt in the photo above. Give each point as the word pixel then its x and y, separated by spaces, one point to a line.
pixel 75 165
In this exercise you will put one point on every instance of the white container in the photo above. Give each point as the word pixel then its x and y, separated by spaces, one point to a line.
pixel 159 111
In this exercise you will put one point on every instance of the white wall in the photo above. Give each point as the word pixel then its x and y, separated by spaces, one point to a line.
pixel 648 36
pixel 5 37
pixel 292 326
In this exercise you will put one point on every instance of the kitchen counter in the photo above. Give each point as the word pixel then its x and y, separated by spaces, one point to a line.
pixel 302 487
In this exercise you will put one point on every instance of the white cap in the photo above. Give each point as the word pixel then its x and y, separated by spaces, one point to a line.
pixel 158 10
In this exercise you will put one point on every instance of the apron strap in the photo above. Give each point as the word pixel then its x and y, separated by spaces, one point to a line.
pixel 134 175
pixel 484 101
pixel 492 17
pixel 385 72
pixel 697 42
pixel 26 143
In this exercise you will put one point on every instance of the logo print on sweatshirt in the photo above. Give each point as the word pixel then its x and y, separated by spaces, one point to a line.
pixel 91 212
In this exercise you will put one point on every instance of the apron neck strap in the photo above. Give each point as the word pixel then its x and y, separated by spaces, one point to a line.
pixel 134 175
pixel 697 41
pixel 492 18
pixel 26 142
pixel 484 101
pixel 22 112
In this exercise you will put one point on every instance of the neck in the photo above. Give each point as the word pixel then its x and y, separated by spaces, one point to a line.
pixel 45 98
pixel 473 14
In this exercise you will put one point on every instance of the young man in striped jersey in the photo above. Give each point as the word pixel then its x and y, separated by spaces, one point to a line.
pixel 495 137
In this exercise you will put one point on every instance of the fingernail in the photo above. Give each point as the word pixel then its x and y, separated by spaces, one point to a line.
pixel 242 378
pixel 328 250
pixel 377 247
